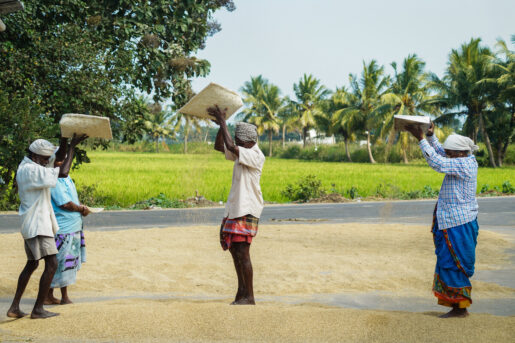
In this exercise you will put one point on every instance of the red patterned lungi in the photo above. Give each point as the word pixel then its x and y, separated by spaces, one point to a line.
pixel 240 229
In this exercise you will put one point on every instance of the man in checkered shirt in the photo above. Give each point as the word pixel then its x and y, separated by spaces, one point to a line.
pixel 455 227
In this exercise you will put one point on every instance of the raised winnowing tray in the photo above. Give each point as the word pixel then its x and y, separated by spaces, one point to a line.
pixel 401 121
pixel 212 95
pixel 80 124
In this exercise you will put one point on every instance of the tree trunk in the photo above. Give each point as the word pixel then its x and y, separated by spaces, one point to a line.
pixel 499 154
pixel 404 156
pixel 304 133
pixel 270 134
pixel 207 134
pixel 369 149
pixel 507 142
pixel 284 135
pixel 157 145
pixel 487 140
pixel 186 142
pixel 347 149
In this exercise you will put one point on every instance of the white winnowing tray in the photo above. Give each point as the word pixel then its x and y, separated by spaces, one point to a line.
pixel 93 126
pixel 95 209
pixel 401 121
pixel 213 94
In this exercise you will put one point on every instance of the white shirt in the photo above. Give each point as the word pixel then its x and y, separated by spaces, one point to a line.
pixel 245 196
pixel 34 184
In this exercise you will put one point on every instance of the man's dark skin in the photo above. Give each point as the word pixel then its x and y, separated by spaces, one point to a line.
pixel 239 250
pixel 64 171
pixel 50 261
pixel 418 133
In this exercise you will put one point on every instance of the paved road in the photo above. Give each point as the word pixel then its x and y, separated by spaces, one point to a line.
pixel 498 213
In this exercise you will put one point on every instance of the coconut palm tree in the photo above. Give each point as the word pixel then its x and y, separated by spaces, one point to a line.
pixel 264 103
pixel 365 107
pixel 309 93
pixel 187 122
pixel 501 112
pixel 409 94
pixel 156 124
pixel 338 102
pixel 463 93
pixel 287 117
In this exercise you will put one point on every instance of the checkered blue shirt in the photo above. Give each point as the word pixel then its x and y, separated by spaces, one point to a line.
pixel 457 202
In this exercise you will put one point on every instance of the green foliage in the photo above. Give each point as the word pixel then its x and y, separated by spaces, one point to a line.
pixel 91 196
pixel 161 201
pixel 336 152
pixel 22 122
pixel 307 188
pixel 390 191
pixel 136 176
pixel 310 94
pixel 353 192
pixel 507 188
pixel 72 57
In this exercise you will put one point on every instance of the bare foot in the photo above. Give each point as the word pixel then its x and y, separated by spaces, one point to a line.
pixel 15 313
pixel 244 301
pixel 41 314
pixel 456 313
pixel 66 301
pixel 51 301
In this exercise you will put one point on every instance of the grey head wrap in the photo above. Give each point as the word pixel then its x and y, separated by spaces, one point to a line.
pixel 246 132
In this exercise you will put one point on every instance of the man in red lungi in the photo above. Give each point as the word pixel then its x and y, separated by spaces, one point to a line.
pixel 245 202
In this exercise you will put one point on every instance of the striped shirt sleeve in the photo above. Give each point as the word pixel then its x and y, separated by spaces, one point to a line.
pixel 435 143
pixel 452 166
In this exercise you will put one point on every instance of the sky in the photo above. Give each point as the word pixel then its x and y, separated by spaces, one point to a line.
pixel 283 39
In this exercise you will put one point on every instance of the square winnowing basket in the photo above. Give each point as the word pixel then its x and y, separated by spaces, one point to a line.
pixel 93 126
pixel 213 94
pixel 401 121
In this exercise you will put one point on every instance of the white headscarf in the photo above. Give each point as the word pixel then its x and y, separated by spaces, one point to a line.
pixel 246 132
pixel 459 143
pixel 42 147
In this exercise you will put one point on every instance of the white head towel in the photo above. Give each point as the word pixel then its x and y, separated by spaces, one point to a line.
pixel 459 143
pixel 42 147
pixel 246 132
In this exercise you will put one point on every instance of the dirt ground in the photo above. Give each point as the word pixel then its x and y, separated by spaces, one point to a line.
pixel 130 276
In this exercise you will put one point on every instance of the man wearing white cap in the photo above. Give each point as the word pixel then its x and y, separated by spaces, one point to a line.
pixel 245 202
pixel 35 177
pixel 455 227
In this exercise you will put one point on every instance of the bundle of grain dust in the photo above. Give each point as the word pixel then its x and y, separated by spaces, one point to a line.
pixel 80 124
pixel 212 95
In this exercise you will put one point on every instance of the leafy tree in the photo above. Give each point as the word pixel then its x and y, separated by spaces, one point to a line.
pixel 366 107
pixel 463 93
pixel 501 110
pixel 409 94
pixel 71 57
pixel 309 93
pixel 156 123
pixel 264 104
pixel 338 102
pixel 287 118
pixel 184 123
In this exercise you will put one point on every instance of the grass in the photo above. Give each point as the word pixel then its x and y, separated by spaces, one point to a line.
pixel 125 178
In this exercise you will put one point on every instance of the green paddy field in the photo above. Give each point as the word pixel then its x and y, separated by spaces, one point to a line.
pixel 125 178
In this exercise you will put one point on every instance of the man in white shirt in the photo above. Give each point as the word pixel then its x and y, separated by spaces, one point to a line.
pixel 35 177
pixel 245 202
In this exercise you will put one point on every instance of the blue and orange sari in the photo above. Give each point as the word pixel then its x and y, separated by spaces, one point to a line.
pixel 455 250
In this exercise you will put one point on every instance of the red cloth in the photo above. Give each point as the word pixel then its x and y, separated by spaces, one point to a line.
pixel 238 230
pixel 229 238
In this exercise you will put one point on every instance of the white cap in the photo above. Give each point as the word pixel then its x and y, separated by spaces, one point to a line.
pixel 43 147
